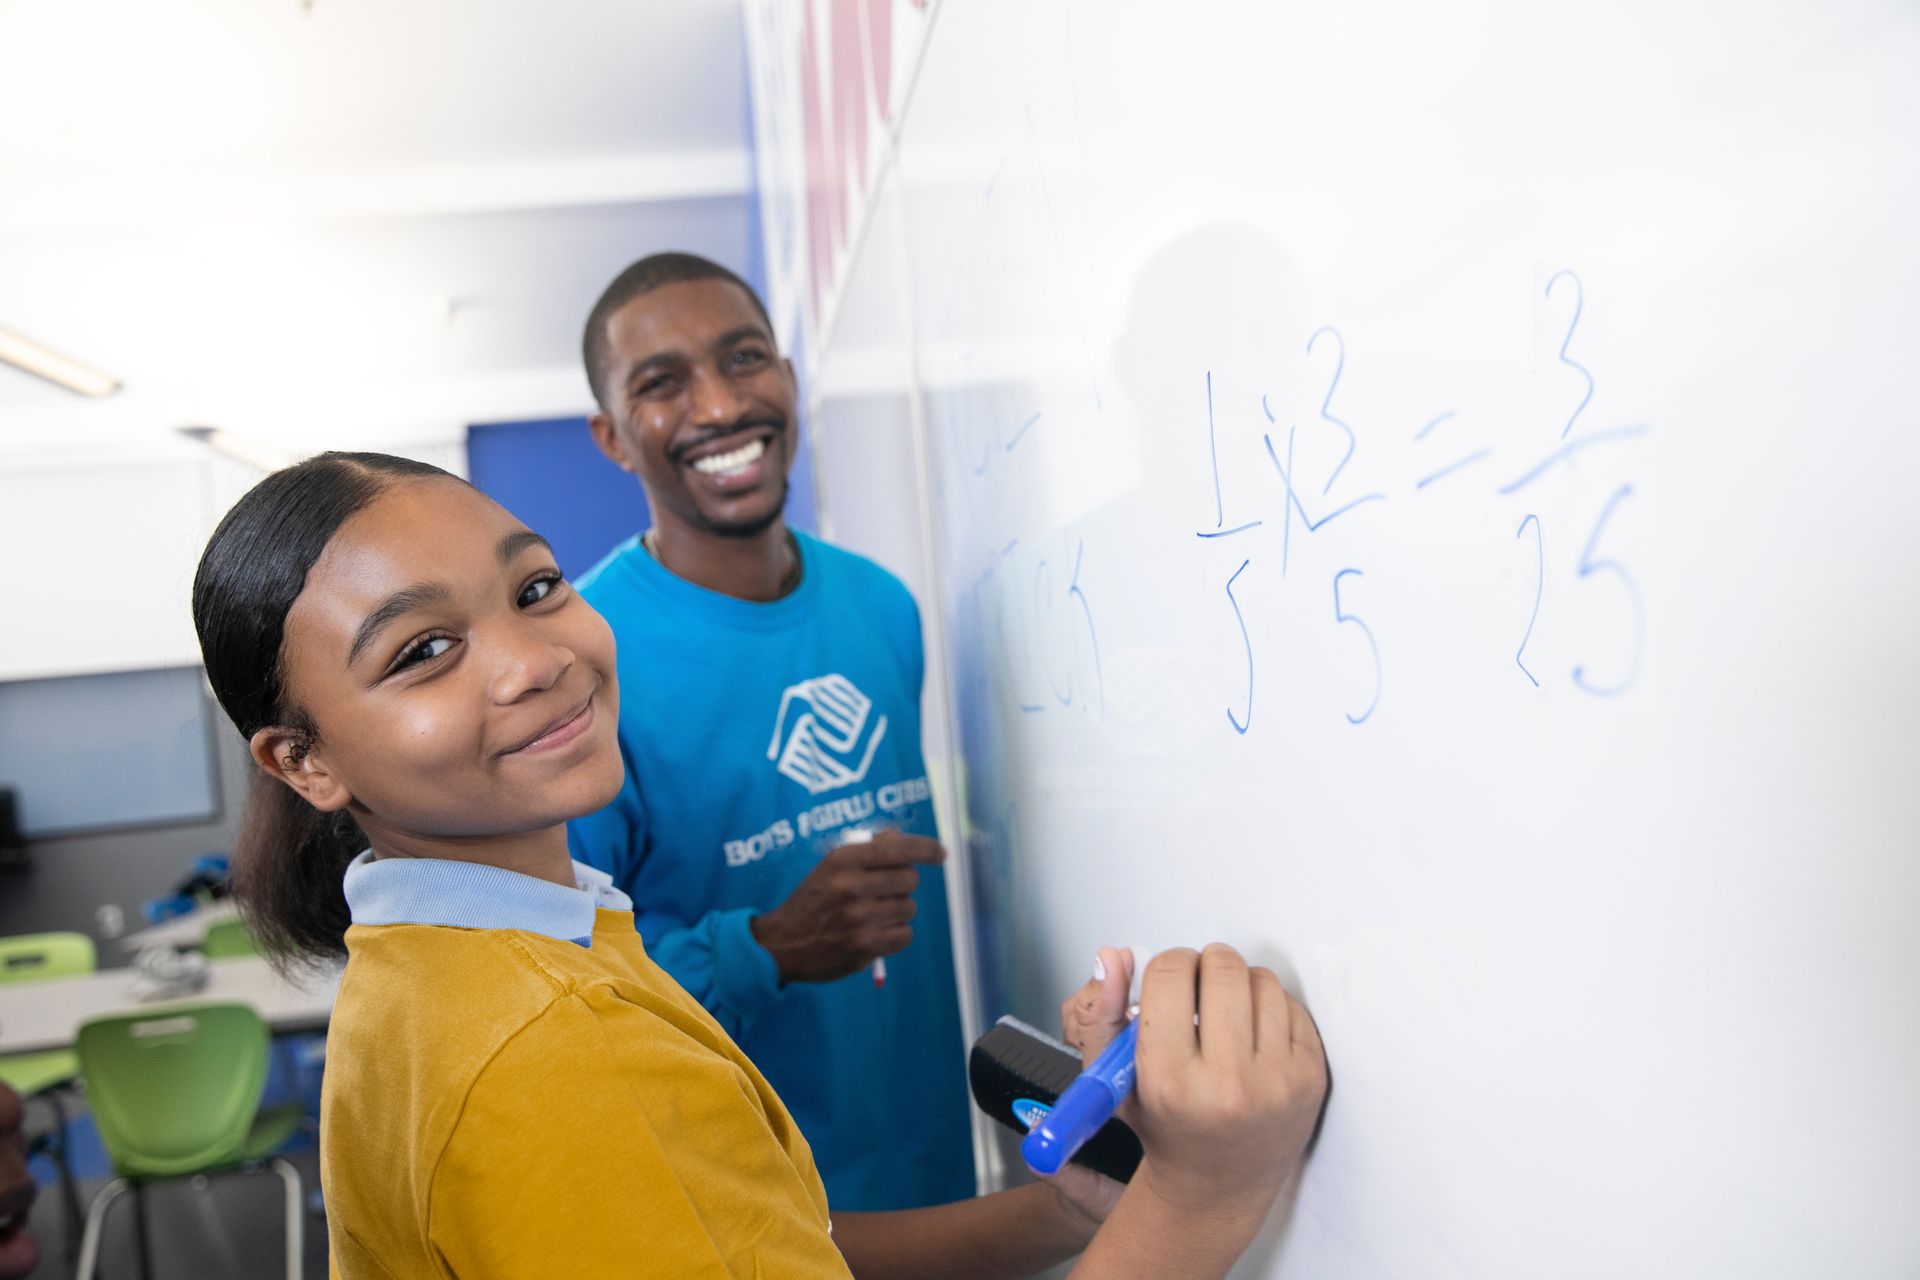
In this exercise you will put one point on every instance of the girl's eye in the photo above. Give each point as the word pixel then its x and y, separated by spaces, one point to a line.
pixel 539 589
pixel 425 651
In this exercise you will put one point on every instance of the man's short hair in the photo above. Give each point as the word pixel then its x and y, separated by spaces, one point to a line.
pixel 645 276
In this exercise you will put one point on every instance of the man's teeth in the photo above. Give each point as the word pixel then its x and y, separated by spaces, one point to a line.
pixel 726 464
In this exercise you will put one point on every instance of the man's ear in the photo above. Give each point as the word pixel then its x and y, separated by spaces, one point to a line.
pixel 608 440
pixel 287 755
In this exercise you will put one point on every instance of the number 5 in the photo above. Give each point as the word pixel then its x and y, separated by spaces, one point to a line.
pixel 1590 566
pixel 1341 616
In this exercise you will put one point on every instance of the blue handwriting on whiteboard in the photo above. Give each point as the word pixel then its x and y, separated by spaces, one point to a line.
pixel 1074 590
pixel 1326 404
pixel 1539 589
pixel 1030 628
pixel 1453 466
pixel 1340 616
pixel 1240 726
pixel 994 181
pixel 1579 297
pixel 1213 454
pixel 1043 598
pixel 1589 566
pixel 1294 503
pixel 1022 431
pixel 1568 450
pixel 983 584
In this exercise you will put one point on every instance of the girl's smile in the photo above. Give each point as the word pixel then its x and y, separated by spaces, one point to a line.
pixel 568 728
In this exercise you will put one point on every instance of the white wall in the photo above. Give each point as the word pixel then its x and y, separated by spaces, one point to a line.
pixel 101 555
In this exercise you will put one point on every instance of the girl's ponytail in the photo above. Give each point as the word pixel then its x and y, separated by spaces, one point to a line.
pixel 288 865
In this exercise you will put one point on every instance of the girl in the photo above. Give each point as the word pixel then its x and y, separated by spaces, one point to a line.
pixel 514 1089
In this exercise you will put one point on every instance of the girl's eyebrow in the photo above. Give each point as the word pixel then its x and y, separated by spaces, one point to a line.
pixel 403 601
pixel 519 540
pixel 407 599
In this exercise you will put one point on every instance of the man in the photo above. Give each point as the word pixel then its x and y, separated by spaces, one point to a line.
pixel 776 813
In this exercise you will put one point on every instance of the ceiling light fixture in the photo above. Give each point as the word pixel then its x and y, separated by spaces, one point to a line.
pixel 261 457
pixel 31 357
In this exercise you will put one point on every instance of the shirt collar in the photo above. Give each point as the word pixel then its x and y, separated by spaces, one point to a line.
pixel 790 610
pixel 473 895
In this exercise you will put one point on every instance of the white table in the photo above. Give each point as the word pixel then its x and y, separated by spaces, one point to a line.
pixel 189 930
pixel 47 1015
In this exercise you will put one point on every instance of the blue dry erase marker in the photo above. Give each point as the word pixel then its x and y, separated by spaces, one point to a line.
pixel 1088 1103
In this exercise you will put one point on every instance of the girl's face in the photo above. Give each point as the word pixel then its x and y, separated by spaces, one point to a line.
pixel 458 687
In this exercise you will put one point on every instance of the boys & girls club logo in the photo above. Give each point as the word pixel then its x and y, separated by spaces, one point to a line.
pixel 828 742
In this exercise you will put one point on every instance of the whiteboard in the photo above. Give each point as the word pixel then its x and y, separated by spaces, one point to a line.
pixel 160 752
pixel 1422 492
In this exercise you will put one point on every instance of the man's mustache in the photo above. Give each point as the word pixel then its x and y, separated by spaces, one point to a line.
pixel 679 452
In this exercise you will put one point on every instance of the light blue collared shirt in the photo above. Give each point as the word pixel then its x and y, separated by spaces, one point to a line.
pixel 473 895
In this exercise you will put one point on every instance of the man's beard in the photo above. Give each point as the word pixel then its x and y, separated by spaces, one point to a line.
pixel 745 528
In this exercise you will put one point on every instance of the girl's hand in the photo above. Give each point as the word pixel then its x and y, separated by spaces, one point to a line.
pixel 1097 1012
pixel 1089 1019
pixel 1225 1100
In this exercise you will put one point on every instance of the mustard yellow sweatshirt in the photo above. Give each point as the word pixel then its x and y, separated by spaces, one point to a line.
pixel 500 1102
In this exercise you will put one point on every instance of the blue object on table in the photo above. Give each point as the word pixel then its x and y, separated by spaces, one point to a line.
pixel 167 908
pixel 206 879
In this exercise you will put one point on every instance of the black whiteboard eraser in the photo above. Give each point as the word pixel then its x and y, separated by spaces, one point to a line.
pixel 1018 1073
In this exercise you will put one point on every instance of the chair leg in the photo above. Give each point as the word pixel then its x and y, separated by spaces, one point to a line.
pixel 140 1229
pixel 296 1244
pixel 96 1223
pixel 61 1155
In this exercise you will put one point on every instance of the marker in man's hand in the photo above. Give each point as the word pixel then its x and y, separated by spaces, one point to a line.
pixel 864 835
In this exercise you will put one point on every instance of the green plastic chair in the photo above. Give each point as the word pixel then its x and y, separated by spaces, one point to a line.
pixel 35 957
pixel 175 1093
pixel 227 939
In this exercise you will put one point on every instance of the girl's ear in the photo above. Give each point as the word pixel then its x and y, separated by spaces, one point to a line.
pixel 287 755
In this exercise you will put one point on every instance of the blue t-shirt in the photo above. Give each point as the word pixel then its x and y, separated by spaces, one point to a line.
pixel 754 735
